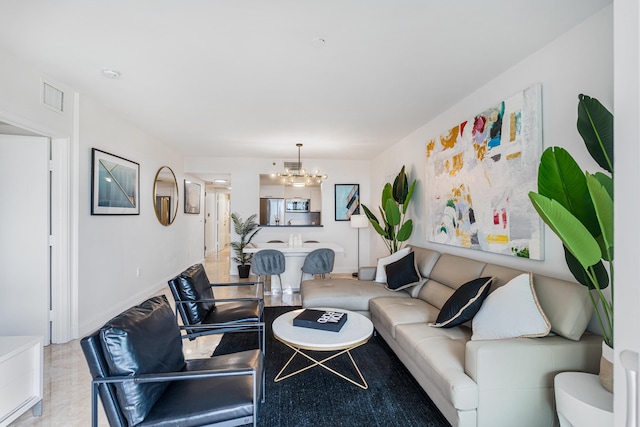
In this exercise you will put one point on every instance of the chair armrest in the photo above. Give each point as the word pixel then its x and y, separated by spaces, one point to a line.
pixel 257 299
pixel 236 284
pixel 176 376
pixel 367 273
pixel 232 326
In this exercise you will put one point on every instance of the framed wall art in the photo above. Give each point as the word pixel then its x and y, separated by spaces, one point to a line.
pixel 347 197
pixel 115 185
pixel 191 197
pixel 479 174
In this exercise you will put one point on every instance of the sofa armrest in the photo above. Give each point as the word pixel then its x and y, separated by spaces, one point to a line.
pixel 529 362
pixel 367 273
pixel 515 376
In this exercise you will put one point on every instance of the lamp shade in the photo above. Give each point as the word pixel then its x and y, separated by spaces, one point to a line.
pixel 359 221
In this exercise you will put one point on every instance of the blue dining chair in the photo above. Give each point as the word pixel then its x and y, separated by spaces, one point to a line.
pixel 268 262
pixel 319 261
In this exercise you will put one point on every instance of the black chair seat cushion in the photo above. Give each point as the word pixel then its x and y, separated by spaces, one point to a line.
pixel 143 339
pixel 234 312
pixel 212 400
pixel 193 285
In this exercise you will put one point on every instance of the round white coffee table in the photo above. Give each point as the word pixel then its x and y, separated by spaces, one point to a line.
pixel 355 332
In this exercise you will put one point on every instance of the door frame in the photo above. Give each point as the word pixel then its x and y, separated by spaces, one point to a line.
pixel 63 297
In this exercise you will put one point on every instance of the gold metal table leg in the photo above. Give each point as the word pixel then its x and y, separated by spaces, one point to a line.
pixel 321 363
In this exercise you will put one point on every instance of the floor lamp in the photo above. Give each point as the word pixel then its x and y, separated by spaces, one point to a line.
pixel 359 221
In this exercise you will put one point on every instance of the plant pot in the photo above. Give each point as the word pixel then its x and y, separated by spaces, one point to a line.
pixel 243 271
pixel 606 368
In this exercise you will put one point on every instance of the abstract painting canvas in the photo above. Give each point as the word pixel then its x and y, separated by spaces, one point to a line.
pixel 115 185
pixel 347 201
pixel 479 174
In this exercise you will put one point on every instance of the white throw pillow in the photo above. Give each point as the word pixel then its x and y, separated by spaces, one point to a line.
pixel 511 311
pixel 381 274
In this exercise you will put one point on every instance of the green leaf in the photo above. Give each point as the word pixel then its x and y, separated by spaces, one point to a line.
pixel 581 275
pixel 387 193
pixel 400 187
pixel 392 213
pixel 606 181
pixel 568 228
pixel 374 221
pixel 405 205
pixel 595 125
pixel 561 179
pixel 604 212
pixel 405 231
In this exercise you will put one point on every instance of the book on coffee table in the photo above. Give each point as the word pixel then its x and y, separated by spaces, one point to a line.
pixel 325 320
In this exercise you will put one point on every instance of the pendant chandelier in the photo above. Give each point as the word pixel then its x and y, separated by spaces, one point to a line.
pixel 294 174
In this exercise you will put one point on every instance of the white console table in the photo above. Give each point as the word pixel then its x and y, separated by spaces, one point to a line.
pixel 21 377
pixel 294 258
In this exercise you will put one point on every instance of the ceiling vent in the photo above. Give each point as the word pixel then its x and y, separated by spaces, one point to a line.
pixel 52 97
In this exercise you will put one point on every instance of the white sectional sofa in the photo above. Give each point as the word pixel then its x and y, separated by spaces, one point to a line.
pixel 487 383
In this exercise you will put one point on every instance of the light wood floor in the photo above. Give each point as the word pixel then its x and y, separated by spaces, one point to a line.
pixel 67 383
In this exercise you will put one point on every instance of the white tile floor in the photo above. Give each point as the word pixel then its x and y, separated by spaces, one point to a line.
pixel 67 383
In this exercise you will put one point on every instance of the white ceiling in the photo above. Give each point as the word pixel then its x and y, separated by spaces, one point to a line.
pixel 238 78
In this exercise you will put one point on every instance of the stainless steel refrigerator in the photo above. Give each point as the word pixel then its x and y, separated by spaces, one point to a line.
pixel 271 211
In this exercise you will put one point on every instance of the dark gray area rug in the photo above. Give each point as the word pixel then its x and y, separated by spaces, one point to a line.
pixel 317 397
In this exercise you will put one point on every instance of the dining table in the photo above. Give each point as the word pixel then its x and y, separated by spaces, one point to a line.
pixel 294 255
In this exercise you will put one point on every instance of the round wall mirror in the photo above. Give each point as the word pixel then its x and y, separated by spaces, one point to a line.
pixel 165 195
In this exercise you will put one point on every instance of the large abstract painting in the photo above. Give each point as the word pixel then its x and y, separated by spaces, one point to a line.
pixel 478 175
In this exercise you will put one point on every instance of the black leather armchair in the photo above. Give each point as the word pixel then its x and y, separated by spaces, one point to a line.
pixel 203 314
pixel 142 378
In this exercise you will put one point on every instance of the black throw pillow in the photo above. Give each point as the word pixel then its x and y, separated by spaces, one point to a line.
pixel 464 303
pixel 403 273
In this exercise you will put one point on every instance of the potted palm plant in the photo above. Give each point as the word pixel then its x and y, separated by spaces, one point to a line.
pixel 393 226
pixel 246 230
pixel 578 207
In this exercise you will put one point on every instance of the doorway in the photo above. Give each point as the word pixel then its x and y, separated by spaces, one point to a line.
pixel 25 227
pixel 37 201
pixel 217 219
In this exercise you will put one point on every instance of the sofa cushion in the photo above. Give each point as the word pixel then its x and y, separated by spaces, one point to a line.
pixel 381 275
pixel 448 274
pixel 143 339
pixel 440 354
pixel 344 293
pixel 425 260
pixel 566 304
pixel 403 274
pixel 464 303
pixel 511 311
pixel 387 313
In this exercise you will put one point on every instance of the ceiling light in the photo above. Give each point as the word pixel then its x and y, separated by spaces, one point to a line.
pixel 112 74
pixel 220 181
pixel 294 174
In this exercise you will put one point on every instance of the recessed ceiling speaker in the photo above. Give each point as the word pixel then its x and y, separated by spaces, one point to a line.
pixel 112 74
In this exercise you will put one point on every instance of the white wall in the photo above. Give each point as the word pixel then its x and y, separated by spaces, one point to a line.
pixel 581 61
pixel 112 249
pixel 104 251
pixel 245 200
pixel 627 157
pixel 20 96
